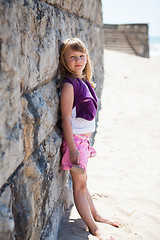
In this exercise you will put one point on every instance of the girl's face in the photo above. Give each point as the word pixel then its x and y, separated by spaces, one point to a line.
pixel 75 61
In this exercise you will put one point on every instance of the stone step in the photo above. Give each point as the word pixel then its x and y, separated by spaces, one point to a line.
pixel 118 47
pixel 113 47
pixel 121 50
pixel 115 40
pixel 125 47
pixel 114 33
pixel 115 36
pixel 118 44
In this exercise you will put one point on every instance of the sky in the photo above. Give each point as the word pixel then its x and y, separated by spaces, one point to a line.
pixel 133 11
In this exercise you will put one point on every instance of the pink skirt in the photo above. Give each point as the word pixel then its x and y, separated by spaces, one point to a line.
pixel 83 146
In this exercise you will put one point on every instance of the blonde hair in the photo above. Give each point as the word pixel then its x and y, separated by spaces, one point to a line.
pixel 77 45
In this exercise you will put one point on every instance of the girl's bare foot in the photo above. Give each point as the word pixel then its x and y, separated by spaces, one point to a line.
pixel 101 235
pixel 103 220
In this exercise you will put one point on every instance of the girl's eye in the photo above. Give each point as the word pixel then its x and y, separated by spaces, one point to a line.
pixel 75 57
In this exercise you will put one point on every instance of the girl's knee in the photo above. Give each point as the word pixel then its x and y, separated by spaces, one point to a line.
pixel 83 188
pixel 79 182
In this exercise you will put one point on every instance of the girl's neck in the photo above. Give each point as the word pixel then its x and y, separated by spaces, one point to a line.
pixel 82 77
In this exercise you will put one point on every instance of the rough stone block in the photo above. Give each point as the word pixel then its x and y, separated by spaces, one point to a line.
pixel 90 10
pixel 6 216
pixel 139 49
pixel 142 37
pixel 39 49
pixel 40 114
pixel 11 143
pixel 53 2
pixel 38 192
pixel 51 229
pixel 144 29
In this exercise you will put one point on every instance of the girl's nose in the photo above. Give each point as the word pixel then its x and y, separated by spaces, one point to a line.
pixel 78 58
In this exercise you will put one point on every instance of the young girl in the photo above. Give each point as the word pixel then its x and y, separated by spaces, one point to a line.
pixel 78 109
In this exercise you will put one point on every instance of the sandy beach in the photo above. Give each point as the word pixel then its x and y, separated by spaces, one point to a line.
pixel 124 177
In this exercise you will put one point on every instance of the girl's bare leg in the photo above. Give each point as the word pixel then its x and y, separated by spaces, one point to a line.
pixel 82 205
pixel 95 214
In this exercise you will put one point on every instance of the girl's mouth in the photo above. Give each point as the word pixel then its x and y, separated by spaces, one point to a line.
pixel 78 65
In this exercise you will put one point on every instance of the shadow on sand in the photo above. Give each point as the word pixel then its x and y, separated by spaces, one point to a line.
pixel 72 229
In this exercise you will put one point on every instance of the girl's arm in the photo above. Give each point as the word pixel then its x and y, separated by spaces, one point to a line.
pixel 67 98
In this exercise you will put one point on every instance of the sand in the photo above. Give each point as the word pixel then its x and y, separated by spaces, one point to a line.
pixel 124 177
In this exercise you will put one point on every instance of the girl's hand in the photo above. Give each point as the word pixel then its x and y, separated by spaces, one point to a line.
pixel 75 156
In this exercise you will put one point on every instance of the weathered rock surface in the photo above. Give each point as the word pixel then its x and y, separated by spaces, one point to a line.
pixel 34 190
pixel 37 192
pixel 90 10
pixel 6 216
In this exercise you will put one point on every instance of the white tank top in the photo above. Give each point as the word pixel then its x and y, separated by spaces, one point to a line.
pixel 81 125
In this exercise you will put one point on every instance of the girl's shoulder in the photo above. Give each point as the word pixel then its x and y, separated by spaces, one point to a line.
pixel 72 80
pixel 67 79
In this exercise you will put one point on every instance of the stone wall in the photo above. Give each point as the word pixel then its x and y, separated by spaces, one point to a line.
pixel 34 190
pixel 129 38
